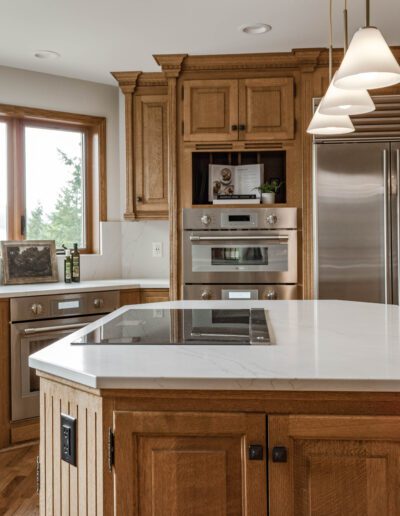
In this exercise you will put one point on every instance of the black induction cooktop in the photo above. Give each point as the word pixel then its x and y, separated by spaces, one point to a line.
pixel 199 326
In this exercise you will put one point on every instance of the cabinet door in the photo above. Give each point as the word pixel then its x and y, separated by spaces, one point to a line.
pixel 180 464
pixel 210 110
pixel 266 109
pixel 335 466
pixel 151 160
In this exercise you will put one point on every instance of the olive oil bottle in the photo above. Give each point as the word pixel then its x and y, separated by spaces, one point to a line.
pixel 67 267
pixel 76 264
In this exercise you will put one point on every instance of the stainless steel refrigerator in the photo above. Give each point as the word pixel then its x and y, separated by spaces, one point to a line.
pixel 356 220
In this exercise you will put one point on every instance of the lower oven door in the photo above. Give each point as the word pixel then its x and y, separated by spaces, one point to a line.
pixel 27 338
pixel 240 256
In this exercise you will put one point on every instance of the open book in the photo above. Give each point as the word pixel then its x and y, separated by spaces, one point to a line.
pixel 239 181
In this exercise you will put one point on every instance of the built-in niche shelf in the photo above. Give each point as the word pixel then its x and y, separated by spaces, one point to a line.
pixel 274 168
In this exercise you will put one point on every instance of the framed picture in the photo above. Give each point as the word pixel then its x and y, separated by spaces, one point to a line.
pixel 29 261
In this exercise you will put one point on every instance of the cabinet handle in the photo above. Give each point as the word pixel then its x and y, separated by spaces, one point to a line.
pixel 234 128
pixel 279 454
pixel 242 127
pixel 138 198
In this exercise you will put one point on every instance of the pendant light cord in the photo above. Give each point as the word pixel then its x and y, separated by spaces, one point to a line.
pixel 330 40
pixel 345 28
pixel 367 13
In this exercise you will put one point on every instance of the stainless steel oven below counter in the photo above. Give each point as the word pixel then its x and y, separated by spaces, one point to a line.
pixel 240 292
pixel 37 322
pixel 246 246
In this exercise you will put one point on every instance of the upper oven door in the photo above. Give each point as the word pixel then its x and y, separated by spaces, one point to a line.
pixel 240 256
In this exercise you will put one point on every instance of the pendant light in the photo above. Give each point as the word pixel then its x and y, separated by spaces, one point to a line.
pixel 369 62
pixel 338 101
pixel 323 124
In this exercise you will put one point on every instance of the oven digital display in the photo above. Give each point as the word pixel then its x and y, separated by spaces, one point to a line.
pixel 239 295
pixel 66 305
pixel 239 218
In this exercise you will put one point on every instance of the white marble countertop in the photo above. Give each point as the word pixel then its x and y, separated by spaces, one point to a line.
pixel 42 289
pixel 319 345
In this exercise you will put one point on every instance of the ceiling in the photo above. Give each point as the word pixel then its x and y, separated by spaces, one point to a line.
pixel 95 37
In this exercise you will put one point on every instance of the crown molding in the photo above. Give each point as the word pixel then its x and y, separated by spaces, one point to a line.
pixel 127 81
pixel 171 64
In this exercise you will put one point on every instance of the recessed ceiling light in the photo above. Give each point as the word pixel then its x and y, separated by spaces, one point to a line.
pixel 46 54
pixel 255 28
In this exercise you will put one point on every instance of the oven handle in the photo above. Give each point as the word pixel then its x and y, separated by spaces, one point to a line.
pixel 196 238
pixel 49 329
pixel 230 335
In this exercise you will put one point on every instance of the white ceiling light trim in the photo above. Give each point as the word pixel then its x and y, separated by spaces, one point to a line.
pixel 369 62
pixel 255 28
pixel 46 54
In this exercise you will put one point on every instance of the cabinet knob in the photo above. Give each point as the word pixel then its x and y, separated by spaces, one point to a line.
pixel 242 127
pixel 234 127
pixel 279 454
pixel 139 198
pixel 256 452
pixel 206 294
pixel 98 303
pixel 37 308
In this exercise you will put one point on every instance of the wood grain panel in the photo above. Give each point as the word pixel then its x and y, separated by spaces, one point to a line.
pixel 336 465
pixel 154 295
pixel 210 110
pixel 151 156
pixel 67 489
pixel 188 463
pixel 266 108
pixel 25 430
pixel 129 297
pixel 4 373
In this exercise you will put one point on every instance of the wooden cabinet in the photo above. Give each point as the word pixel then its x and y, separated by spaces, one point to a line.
pixel 150 156
pixel 210 110
pixel 4 372
pixel 336 465
pixel 244 109
pixel 189 463
pixel 154 295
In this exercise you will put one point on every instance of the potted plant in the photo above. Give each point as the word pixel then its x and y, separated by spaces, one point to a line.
pixel 268 190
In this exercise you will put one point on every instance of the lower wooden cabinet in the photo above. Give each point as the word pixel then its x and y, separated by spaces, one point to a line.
pixel 197 464
pixel 336 466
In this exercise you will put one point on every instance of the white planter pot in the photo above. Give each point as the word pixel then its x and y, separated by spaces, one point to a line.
pixel 268 198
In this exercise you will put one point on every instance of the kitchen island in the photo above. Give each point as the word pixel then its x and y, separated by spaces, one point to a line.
pixel 183 429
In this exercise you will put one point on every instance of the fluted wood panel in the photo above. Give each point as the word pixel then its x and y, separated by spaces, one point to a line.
pixel 66 489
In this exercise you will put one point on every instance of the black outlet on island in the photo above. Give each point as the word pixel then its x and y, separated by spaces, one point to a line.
pixel 68 439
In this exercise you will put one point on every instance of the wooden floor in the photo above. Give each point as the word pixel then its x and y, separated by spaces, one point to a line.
pixel 18 481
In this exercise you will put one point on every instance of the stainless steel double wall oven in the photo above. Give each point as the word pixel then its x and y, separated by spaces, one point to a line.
pixel 234 253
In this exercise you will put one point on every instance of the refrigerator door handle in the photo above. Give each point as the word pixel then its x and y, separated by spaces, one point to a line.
pixel 398 221
pixel 386 228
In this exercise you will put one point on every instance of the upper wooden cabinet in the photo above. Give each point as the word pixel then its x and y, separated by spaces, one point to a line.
pixel 176 464
pixel 150 156
pixel 244 109
pixel 335 465
pixel 210 110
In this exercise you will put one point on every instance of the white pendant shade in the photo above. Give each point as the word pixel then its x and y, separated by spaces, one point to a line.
pixel 330 124
pixel 368 63
pixel 345 102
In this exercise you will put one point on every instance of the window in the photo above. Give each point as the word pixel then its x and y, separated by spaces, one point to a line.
pixel 52 179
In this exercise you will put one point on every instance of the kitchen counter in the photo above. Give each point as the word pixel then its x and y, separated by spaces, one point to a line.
pixel 42 289
pixel 319 345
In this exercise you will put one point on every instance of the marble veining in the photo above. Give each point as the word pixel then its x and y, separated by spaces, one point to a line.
pixel 320 345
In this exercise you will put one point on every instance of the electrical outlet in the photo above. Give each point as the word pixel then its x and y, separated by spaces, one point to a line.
pixel 157 249
pixel 68 439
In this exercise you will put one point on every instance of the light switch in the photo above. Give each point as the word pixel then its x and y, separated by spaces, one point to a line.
pixel 157 249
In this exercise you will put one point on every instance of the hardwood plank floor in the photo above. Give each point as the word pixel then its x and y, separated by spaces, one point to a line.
pixel 18 481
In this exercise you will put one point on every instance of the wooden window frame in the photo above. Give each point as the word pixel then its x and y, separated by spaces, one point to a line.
pixel 95 188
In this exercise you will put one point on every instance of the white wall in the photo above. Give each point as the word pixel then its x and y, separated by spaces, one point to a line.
pixel 126 249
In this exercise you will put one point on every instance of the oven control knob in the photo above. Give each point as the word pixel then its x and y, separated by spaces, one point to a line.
pixel 206 294
pixel 98 303
pixel 272 219
pixel 205 219
pixel 270 295
pixel 37 308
